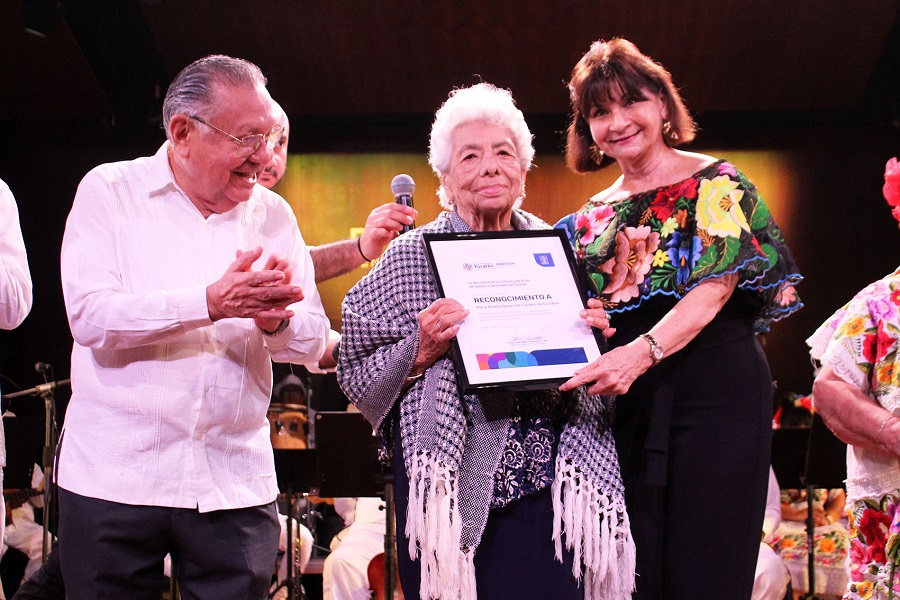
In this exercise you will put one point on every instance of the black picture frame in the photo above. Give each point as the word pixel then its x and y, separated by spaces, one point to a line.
pixel 516 381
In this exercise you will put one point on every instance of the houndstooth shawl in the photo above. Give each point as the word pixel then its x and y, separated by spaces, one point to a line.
pixel 451 449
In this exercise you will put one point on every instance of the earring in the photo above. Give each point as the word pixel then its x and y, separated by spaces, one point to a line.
pixel 669 132
pixel 596 153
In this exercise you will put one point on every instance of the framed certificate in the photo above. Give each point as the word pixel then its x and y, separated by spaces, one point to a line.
pixel 523 330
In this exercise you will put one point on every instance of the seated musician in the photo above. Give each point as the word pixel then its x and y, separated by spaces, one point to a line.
pixel 22 531
pixel 288 414
pixel 344 575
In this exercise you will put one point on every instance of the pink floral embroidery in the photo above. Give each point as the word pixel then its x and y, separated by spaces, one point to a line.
pixel 891 188
pixel 874 527
pixel 595 221
pixel 635 247
pixel 728 169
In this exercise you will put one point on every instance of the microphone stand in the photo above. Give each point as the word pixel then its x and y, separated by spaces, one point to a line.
pixel 51 436
pixel 390 536
pixel 810 542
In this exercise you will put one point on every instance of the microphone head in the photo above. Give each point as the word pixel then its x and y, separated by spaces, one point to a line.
pixel 403 185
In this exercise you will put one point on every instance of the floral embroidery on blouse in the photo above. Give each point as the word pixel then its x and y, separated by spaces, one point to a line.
pixel 526 464
pixel 874 548
pixel 668 240
pixel 861 341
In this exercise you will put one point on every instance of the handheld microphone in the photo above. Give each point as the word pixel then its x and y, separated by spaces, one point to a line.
pixel 403 186
pixel 42 367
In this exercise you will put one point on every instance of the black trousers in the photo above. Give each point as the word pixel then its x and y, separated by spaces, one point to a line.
pixel 697 534
pixel 46 583
pixel 112 551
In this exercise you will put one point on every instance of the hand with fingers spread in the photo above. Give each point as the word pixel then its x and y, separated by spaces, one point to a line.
pixel 438 324
pixel 260 295
pixel 613 372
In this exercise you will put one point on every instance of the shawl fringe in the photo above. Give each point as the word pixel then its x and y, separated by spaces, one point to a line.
pixel 596 528
pixel 600 539
pixel 433 523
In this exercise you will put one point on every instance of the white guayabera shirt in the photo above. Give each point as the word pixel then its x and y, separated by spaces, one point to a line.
pixel 169 408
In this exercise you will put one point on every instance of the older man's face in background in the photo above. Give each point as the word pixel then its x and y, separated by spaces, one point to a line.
pixel 273 172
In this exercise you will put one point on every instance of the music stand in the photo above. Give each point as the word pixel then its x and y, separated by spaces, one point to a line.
pixel 826 467
pixel 826 459
pixel 347 455
pixel 349 467
pixel 809 458
pixel 295 470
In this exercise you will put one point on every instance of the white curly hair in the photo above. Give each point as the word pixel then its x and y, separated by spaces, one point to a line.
pixel 480 102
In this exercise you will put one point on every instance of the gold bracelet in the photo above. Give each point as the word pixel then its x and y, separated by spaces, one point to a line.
pixel 410 379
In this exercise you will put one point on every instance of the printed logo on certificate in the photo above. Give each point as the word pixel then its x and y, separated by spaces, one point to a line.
pixel 523 295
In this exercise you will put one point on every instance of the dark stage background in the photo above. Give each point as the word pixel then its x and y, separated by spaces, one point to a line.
pixel 811 85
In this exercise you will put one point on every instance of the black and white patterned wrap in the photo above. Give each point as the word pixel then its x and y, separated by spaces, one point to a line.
pixel 450 446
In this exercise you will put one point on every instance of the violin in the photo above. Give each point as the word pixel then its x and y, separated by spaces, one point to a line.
pixel 377 574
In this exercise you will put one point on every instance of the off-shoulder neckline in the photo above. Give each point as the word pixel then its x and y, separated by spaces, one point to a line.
pixel 615 198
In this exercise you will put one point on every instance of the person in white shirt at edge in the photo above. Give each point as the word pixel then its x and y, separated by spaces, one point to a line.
pixel 182 278
pixel 15 286
pixel 345 573
pixel 772 576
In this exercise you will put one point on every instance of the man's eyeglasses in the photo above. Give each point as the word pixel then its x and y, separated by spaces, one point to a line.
pixel 248 145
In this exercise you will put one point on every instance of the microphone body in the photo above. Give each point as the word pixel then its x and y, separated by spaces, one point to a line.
pixel 403 186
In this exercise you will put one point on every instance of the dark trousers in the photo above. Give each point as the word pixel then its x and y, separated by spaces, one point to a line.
pixel 697 536
pixel 112 551
pixel 46 583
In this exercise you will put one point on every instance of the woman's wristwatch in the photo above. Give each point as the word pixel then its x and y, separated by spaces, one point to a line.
pixel 656 351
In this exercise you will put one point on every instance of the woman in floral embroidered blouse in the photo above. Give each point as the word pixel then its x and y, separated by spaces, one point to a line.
pixel 685 257
pixel 857 392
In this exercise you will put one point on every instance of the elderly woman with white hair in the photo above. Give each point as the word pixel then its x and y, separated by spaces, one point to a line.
pixel 500 494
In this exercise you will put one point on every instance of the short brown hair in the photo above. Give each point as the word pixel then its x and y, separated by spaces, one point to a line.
pixel 618 66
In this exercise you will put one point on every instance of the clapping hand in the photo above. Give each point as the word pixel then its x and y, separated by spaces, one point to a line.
pixel 259 295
